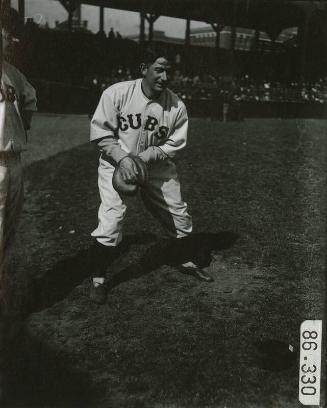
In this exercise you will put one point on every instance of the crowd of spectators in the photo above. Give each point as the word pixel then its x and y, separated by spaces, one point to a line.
pixel 246 89
pixel 208 86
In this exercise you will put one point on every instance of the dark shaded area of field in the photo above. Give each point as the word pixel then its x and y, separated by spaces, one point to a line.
pixel 164 339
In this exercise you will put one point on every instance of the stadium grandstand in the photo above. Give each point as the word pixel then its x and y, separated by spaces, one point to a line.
pixel 244 56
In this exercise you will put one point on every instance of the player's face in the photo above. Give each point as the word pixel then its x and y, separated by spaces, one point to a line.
pixel 156 75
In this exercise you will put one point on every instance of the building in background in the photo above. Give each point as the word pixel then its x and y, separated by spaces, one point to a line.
pixel 77 23
pixel 159 36
pixel 245 38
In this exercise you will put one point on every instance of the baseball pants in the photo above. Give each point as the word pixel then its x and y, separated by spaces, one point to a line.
pixel 162 197
pixel 11 201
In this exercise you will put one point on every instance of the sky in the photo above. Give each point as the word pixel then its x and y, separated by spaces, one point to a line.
pixel 125 22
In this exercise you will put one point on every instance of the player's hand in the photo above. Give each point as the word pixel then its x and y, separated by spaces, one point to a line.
pixel 128 170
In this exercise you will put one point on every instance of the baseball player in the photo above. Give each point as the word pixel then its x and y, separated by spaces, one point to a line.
pixel 17 103
pixel 146 119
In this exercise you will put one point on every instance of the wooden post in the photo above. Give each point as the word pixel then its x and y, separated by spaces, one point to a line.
pixel 21 9
pixel 233 36
pixel 303 42
pixel 188 32
pixel 151 18
pixel 217 27
pixel 142 27
pixel 101 20
pixel 256 40
pixel 70 17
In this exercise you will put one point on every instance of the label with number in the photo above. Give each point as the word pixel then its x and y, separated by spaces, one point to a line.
pixel 310 362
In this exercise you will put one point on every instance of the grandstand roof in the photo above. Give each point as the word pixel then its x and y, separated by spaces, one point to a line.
pixel 266 15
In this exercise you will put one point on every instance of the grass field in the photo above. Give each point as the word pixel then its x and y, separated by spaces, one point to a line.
pixel 163 339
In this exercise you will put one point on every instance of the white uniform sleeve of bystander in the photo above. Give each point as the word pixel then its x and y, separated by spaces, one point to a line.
pixel 27 98
pixel 25 92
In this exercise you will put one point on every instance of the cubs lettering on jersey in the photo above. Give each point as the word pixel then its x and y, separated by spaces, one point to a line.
pixel 134 121
pixel 124 113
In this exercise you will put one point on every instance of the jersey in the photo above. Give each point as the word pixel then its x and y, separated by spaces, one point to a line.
pixel 134 124
pixel 16 95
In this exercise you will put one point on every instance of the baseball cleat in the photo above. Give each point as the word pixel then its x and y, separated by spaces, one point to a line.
pixel 98 293
pixel 189 268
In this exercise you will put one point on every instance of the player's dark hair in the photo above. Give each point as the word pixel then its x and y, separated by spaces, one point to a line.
pixel 150 54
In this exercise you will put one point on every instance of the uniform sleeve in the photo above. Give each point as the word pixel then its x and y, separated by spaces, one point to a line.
pixel 111 149
pixel 105 119
pixel 29 97
pixel 104 128
pixel 153 154
pixel 27 94
pixel 27 101
pixel 177 140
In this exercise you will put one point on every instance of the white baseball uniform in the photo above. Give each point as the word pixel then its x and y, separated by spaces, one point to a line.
pixel 16 96
pixel 127 122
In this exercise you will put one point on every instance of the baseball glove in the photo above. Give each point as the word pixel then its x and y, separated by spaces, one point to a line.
pixel 126 189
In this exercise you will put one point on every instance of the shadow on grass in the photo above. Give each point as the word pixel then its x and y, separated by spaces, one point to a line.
pixel 174 252
pixel 45 377
pixel 36 376
pixel 66 274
